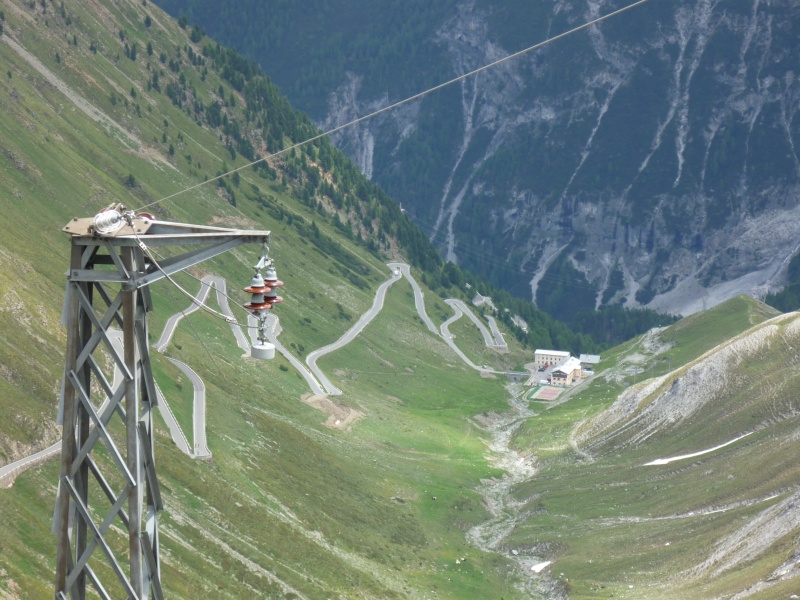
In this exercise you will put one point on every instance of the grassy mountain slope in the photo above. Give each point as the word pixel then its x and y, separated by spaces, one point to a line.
pixel 704 526
pixel 289 506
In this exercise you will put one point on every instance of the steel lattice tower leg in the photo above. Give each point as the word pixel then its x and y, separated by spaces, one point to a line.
pixel 83 522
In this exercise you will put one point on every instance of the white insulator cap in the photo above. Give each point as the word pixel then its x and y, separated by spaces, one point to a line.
pixel 257 280
pixel 108 221
pixel 263 351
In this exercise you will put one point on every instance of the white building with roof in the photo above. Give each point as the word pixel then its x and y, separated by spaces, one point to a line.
pixel 548 358
pixel 567 372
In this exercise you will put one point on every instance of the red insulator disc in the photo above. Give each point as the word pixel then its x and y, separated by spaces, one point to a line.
pixel 258 290
pixel 256 307
pixel 274 282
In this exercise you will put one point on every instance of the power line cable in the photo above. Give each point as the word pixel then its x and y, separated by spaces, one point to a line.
pixel 405 101
pixel 230 320
pixel 235 303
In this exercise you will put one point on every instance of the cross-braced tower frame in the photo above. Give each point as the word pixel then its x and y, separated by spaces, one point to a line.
pixel 108 425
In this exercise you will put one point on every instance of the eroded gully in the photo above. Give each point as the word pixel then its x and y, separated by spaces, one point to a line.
pixel 506 511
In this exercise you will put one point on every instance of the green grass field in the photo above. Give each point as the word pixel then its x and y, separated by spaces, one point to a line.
pixel 380 507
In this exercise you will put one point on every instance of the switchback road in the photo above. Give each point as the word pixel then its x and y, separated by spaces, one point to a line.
pixel 11 470
pixel 318 382
pixel 199 409
pixel 350 334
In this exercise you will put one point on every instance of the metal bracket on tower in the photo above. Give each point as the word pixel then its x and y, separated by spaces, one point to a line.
pixel 97 514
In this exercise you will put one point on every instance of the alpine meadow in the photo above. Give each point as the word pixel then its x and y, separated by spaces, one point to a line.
pixel 403 442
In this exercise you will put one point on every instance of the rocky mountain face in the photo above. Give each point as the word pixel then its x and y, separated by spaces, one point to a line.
pixel 651 160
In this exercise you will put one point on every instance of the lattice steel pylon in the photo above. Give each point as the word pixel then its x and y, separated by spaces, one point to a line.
pixel 102 516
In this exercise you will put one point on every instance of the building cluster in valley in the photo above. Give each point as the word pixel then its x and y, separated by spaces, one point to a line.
pixel 559 368
pixel 550 367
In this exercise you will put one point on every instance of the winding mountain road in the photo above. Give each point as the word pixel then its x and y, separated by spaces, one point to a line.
pixel 12 469
pixel 419 296
pixel 222 300
pixel 459 306
pixel 199 409
pixel 272 336
pixel 492 339
pixel 316 379
pixel 199 448
pixel 499 340
pixel 318 382
pixel 172 322
pixel 175 431
pixel 209 281
pixel 350 334
pixel 449 337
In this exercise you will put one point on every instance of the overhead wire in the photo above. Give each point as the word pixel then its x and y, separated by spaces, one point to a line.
pixel 202 305
pixel 475 251
pixel 195 301
pixel 229 320
pixel 195 334
pixel 183 312
pixel 402 102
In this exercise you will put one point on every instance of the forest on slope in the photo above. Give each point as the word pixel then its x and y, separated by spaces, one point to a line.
pixel 362 211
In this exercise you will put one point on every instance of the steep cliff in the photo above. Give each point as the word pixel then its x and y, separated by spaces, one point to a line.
pixel 650 160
